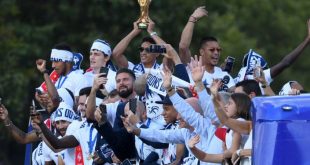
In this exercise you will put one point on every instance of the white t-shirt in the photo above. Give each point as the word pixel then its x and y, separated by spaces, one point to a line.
pixel 82 130
pixel 111 112
pixel 74 81
pixel 207 78
pixel 37 155
pixel 70 153
pixel 86 135
pixel 49 155
pixel 109 86
pixel 229 137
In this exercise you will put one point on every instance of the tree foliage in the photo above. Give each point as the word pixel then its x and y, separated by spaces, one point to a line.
pixel 29 29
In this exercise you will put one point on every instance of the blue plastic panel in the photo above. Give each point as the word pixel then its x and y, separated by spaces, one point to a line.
pixel 281 130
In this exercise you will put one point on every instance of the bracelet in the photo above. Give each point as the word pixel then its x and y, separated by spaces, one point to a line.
pixel 153 33
pixel 38 133
pixel 238 152
pixel 263 85
pixel 8 124
pixel 169 90
pixel 195 19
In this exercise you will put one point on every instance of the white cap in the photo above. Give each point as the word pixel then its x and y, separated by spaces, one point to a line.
pixel 64 112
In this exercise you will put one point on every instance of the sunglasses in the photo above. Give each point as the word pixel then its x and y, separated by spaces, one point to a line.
pixel 141 49
pixel 213 49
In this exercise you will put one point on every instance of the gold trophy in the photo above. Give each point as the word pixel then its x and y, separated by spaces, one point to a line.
pixel 144 13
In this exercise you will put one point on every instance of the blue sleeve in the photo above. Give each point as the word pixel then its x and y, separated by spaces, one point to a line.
pixel 180 72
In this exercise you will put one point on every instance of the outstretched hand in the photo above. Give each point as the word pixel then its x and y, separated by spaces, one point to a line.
pixel 196 68
pixel 193 141
pixel 167 76
pixel 215 86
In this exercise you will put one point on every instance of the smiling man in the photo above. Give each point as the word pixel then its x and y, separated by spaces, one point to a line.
pixel 210 51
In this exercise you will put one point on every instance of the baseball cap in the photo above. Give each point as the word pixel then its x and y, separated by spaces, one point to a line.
pixel 165 101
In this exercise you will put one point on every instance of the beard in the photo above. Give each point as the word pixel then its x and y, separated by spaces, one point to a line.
pixel 125 93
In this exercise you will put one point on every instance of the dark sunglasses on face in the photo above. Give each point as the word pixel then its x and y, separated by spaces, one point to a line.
pixel 213 49
pixel 142 48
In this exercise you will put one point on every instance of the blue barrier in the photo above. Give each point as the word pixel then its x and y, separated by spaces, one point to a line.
pixel 281 130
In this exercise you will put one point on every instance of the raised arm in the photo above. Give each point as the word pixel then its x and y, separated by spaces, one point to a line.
pixel 153 34
pixel 243 127
pixel 118 51
pixel 214 158
pixel 187 34
pixel 65 142
pixel 91 101
pixel 197 72
pixel 290 58
pixel 51 89
pixel 264 84
pixel 19 135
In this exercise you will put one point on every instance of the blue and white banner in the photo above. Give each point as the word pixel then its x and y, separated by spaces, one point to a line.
pixel 254 59
pixel 155 82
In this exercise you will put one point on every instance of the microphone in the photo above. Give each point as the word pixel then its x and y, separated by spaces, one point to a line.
pixel 225 79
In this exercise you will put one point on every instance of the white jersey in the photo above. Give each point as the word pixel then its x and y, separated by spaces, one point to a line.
pixel 49 155
pixel 70 153
pixel 229 137
pixel 109 86
pixel 207 78
pixel 74 81
pixel 143 149
pixel 153 110
pixel 87 136
pixel 37 155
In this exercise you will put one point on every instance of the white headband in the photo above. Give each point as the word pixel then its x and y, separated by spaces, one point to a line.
pixel 64 112
pixel 61 55
pixel 102 46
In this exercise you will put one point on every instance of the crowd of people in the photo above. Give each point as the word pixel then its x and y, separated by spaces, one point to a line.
pixel 185 110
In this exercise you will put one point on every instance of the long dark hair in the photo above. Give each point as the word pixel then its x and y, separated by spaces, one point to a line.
pixel 243 105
